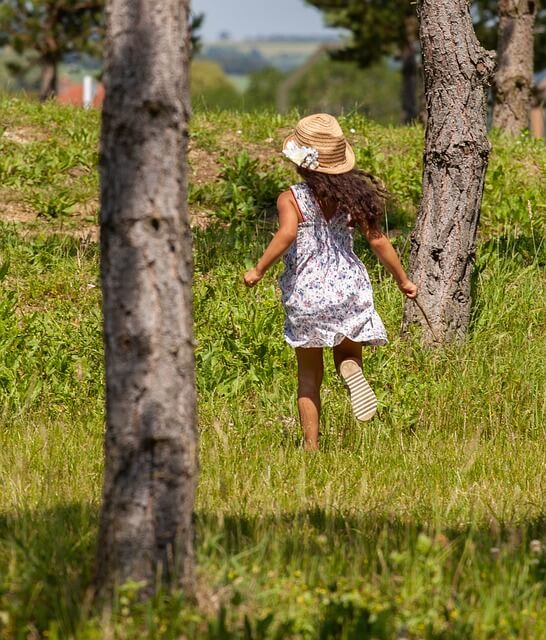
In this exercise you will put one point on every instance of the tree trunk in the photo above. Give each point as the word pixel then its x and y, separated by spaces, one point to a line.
pixel 48 78
pixel 146 528
pixel 537 111
pixel 410 68
pixel 514 76
pixel 457 70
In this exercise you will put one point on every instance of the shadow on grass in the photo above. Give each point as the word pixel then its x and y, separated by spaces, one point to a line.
pixel 46 566
pixel 319 534
pixel 47 557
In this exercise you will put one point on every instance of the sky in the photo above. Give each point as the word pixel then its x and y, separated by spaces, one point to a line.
pixel 248 18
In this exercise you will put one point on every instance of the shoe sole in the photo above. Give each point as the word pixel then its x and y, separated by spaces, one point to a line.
pixel 363 400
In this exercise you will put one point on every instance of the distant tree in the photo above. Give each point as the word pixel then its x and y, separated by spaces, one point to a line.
pixel 18 71
pixel 232 60
pixel 514 76
pixel 262 88
pixel 196 22
pixel 457 72
pixel 52 28
pixel 337 87
pixel 379 28
pixel 210 87
pixel 388 27
pixel 537 109
pixel 146 526
pixel 486 22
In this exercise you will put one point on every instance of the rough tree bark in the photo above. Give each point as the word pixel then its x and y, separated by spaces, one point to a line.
pixel 457 71
pixel 514 77
pixel 146 528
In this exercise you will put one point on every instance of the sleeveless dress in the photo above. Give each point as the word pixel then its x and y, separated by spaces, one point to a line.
pixel 326 290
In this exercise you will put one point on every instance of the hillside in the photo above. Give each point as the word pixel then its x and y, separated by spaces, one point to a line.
pixel 283 54
pixel 429 522
pixel 48 168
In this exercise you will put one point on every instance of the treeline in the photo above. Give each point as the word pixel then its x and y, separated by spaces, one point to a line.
pixel 329 86
pixel 42 33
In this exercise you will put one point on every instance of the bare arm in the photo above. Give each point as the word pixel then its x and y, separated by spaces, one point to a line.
pixel 388 257
pixel 281 241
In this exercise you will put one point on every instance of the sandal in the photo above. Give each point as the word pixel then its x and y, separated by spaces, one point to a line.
pixel 363 399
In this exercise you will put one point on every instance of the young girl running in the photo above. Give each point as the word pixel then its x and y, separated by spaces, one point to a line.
pixel 326 291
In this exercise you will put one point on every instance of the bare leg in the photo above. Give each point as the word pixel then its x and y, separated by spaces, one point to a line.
pixel 310 371
pixel 348 359
pixel 348 350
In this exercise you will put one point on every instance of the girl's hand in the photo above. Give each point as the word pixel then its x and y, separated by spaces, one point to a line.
pixel 408 289
pixel 252 277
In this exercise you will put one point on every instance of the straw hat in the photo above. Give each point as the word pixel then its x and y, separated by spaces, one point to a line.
pixel 318 144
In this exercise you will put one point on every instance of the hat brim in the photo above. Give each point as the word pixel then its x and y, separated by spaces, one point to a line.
pixel 343 167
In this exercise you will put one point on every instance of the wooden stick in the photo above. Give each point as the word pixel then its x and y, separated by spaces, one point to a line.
pixel 420 306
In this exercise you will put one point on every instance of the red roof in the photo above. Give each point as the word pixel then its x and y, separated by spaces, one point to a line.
pixel 70 92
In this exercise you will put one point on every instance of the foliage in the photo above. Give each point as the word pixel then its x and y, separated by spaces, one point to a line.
pixel 210 88
pixel 341 87
pixel 377 27
pixel 52 29
pixel 426 523
pixel 262 88
pixel 196 23
pixel 17 71
pixel 486 25
pixel 235 61
pixel 329 86
pixel 247 189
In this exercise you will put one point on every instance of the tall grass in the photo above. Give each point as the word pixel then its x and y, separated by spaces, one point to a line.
pixel 427 522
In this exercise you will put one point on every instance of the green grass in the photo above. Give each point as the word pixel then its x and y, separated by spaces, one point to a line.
pixel 428 522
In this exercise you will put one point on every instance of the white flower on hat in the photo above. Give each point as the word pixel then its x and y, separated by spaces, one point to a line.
pixel 306 157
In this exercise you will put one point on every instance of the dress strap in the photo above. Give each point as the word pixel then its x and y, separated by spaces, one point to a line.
pixel 305 201
pixel 294 191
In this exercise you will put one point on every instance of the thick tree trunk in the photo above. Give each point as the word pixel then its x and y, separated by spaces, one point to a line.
pixel 514 76
pixel 410 70
pixel 457 71
pixel 48 78
pixel 146 528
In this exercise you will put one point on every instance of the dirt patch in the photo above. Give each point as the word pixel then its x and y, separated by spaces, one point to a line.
pixel 530 167
pixel 269 151
pixel 232 143
pixel 83 221
pixel 203 166
pixel 23 135
pixel 88 234
pixel 199 218
pixel 12 209
pixel 87 212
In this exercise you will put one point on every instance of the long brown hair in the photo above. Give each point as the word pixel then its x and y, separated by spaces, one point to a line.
pixel 356 194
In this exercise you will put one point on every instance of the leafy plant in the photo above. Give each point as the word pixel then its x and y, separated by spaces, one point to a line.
pixel 250 189
pixel 58 204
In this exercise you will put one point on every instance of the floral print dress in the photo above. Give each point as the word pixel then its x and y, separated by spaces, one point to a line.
pixel 326 290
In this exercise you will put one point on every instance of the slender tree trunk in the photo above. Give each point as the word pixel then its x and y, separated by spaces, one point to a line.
pixel 48 78
pixel 457 71
pixel 146 528
pixel 537 111
pixel 410 70
pixel 514 76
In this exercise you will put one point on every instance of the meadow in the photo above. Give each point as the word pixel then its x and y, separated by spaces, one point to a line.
pixel 427 522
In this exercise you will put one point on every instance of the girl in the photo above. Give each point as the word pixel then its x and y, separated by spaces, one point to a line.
pixel 326 291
